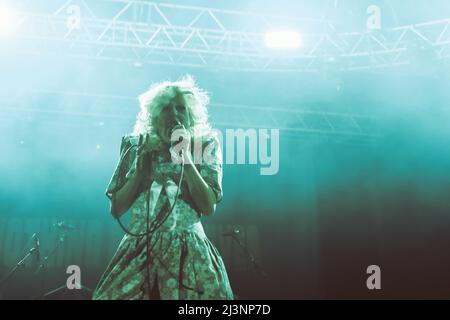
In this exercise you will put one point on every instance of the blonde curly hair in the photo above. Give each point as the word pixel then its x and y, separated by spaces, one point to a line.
pixel 153 101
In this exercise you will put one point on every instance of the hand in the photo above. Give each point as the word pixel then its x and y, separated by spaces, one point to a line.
pixel 148 143
pixel 181 149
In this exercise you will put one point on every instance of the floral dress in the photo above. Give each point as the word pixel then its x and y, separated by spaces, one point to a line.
pixel 177 261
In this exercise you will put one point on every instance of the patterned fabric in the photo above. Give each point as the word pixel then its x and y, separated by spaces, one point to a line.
pixel 178 261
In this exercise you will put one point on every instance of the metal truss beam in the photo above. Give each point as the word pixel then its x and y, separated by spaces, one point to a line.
pixel 141 32
pixel 94 109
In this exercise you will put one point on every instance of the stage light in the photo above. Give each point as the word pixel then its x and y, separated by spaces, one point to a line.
pixel 282 39
pixel 7 20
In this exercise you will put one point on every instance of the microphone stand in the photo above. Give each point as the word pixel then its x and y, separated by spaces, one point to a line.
pixel 61 238
pixel 20 264
pixel 252 259
pixel 61 230
pixel 59 242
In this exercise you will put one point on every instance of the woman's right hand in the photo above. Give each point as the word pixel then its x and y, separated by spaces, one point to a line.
pixel 126 195
pixel 147 144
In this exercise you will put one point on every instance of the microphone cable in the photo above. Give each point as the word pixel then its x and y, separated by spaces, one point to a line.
pixel 151 227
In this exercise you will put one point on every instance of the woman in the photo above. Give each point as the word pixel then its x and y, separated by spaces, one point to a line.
pixel 165 253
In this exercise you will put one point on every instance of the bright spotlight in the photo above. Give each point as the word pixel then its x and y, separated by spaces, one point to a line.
pixel 283 39
pixel 7 20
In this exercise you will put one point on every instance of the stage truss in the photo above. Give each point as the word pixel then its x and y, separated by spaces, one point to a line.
pixel 77 109
pixel 141 32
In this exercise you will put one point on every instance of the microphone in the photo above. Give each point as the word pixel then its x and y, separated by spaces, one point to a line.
pixel 176 127
pixel 37 246
pixel 231 233
pixel 61 225
pixel 178 143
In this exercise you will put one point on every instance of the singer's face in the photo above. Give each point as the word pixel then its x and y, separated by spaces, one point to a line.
pixel 172 114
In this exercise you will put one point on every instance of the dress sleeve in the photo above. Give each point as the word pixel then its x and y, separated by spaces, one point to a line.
pixel 211 166
pixel 118 178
